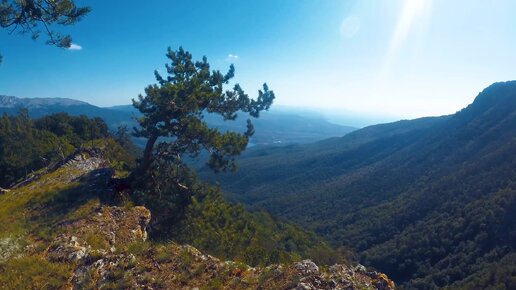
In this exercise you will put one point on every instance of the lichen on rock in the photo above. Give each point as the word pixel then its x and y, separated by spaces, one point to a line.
pixel 9 246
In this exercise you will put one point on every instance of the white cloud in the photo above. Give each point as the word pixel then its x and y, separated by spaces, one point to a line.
pixel 232 57
pixel 74 46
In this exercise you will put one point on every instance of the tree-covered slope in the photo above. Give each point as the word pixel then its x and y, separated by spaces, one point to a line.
pixel 432 201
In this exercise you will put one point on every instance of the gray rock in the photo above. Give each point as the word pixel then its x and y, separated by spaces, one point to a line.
pixel 66 249
pixel 360 268
pixel 307 267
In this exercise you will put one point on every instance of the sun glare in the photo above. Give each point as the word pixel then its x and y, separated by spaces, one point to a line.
pixel 413 10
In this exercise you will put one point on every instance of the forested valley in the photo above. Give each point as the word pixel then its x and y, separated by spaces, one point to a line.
pixel 430 201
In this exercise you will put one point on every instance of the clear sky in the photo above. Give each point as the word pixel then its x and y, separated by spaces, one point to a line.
pixel 401 58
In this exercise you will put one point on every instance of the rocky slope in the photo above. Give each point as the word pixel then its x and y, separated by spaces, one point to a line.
pixel 57 232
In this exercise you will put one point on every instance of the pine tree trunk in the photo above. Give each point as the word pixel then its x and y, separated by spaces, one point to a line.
pixel 146 159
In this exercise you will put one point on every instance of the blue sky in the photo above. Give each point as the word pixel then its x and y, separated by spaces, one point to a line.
pixel 398 58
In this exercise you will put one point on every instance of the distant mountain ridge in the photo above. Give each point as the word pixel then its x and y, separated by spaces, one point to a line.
pixel 431 201
pixel 271 128
pixel 39 107
pixel 31 103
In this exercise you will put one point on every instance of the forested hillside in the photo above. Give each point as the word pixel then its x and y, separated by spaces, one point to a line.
pixel 27 145
pixel 431 202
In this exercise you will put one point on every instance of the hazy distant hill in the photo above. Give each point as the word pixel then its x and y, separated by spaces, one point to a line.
pixel 271 128
pixel 431 202
pixel 44 106
pixel 276 127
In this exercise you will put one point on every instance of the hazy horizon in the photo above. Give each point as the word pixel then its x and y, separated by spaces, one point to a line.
pixel 335 116
pixel 397 59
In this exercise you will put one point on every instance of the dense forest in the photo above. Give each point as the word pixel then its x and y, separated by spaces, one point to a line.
pixel 228 231
pixel 431 202
pixel 27 145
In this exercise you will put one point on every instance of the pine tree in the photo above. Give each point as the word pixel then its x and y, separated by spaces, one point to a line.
pixel 173 110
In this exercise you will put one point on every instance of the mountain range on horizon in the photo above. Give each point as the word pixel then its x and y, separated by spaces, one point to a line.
pixel 431 201
pixel 271 128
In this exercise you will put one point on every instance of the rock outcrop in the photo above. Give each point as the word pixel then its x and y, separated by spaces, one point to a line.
pixel 110 248
pixel 108 227
pixel 339 277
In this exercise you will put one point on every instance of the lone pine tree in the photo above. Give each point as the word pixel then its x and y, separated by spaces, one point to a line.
pixel 173 112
